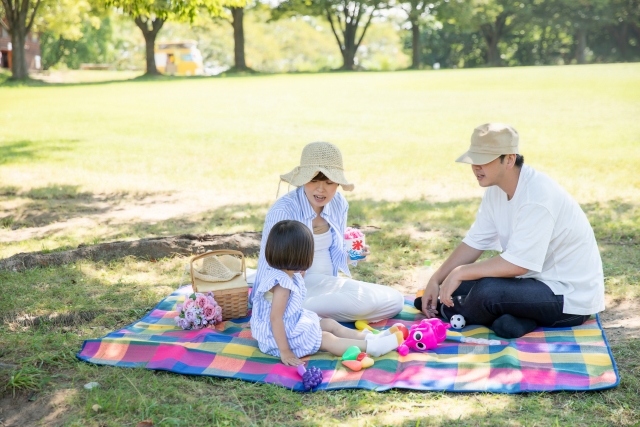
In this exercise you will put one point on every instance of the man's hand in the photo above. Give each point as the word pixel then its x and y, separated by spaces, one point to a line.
pixel 290 359
pixel 430 299
pixel 449 286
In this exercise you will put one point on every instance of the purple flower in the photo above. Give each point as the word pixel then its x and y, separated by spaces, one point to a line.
pixel 188 304
pixel 201 300
pixel 210 298
pixel 209 311
pixel 182 322
pixel 179 307
pixel 190 315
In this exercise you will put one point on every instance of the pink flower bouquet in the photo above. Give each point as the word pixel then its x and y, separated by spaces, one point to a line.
pixel 198 311
pixel 354 243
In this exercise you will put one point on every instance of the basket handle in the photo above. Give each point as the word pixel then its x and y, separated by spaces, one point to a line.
pixel 219 252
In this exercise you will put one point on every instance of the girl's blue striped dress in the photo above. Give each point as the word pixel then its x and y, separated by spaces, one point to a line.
pixel 301 326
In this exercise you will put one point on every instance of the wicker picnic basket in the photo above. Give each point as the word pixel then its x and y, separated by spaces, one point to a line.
pixel 222 272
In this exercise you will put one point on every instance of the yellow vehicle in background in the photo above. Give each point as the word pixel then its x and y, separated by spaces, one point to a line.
pixel 179 58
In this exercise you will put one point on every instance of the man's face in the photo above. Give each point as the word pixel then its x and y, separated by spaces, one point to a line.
pixel 491 173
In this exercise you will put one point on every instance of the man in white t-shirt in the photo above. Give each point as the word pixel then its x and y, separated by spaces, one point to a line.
pixel 549 272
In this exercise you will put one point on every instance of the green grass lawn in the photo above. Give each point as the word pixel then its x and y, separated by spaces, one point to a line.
pixel 95 162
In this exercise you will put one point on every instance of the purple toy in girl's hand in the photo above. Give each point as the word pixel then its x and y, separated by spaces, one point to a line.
pixel 311 377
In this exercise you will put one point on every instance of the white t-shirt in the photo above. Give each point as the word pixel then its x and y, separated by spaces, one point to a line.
pixel 543 229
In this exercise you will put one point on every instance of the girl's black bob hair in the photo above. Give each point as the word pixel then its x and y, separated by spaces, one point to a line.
pixel 289 246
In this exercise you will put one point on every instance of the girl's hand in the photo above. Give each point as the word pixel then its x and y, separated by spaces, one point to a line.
pixel 290 359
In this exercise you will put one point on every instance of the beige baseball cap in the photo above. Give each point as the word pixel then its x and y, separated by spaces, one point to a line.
pixel 490 141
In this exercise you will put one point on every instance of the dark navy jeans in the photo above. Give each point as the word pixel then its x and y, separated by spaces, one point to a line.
pixel 483 301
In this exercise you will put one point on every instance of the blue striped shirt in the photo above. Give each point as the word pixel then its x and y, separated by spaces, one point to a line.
pixel 296 206
pixel 301 326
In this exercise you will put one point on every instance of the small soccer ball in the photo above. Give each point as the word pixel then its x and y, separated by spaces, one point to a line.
pixel 457 321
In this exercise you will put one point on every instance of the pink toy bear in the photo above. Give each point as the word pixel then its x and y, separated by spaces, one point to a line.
pixel 424 336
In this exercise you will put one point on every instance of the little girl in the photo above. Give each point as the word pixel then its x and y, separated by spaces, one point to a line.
pixel 280 324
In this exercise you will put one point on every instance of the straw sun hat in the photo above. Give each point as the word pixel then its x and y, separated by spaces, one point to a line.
pixel 318 157
pixel 217 269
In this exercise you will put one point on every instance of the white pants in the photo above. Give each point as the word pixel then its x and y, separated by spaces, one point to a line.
pixel 347 300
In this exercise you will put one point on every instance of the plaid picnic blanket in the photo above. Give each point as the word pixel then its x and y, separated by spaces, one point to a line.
pixel 576 358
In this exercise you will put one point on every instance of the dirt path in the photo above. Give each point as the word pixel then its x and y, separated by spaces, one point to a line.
pixel 30 409
pixel 38 218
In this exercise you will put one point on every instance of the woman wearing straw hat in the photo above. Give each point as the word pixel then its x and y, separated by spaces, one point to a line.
pixel 317 204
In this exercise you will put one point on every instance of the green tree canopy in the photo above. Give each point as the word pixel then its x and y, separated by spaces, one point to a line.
pixel 150 15
pixel 349 20
pixel 493 19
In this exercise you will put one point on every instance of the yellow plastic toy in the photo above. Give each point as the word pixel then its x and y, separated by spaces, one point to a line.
pixel 361 325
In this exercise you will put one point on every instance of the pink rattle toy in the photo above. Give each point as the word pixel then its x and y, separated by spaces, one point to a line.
pixel 427 334
pixel 424 336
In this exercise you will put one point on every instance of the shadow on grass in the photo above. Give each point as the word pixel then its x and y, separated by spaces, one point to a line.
pixel 615 221
pixel 407 225
pixel 30 82
pixel 29 150
pixel 401 234
pixel 42 206
pixel 6 81
pixel 57 204
pixel 123 291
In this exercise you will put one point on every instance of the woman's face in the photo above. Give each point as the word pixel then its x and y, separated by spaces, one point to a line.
pixel 320 193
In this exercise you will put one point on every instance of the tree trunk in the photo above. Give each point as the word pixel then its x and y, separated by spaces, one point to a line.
pixel 19 67
pixel 491 38
pixel 349 49
pixel 348 60
pixel 351 21
pixel 150 35
pixel 415 44
pixel 238 38
pixel 581 35
pixel 493 54
pixel 492 34
pixel 19 16
pixel 621 36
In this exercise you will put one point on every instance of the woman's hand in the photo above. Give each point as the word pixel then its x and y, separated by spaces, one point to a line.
pixel 365 253
pixel 449 286
pixel 290 359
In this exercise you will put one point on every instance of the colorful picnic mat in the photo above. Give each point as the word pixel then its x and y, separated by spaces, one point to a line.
pixel 576 358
